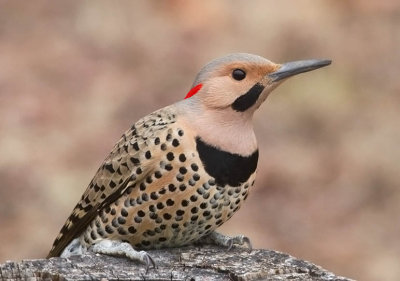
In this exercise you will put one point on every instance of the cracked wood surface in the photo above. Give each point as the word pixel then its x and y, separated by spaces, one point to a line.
pixel 187 263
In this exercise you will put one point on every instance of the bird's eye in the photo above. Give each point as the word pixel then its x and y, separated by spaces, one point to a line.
pixel 238 74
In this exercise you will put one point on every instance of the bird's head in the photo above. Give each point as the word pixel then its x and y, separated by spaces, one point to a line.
pixel 226 93
pixel 240 82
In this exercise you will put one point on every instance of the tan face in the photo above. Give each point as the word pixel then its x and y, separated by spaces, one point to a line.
pixel 228 82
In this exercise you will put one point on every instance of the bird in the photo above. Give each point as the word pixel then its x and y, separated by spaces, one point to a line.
pixel 182 171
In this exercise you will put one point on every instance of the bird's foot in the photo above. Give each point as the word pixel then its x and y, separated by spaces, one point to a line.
pixel 119 248
pixel 74 248
pixel 226 241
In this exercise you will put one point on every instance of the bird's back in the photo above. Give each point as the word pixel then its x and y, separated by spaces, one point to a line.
pixel 129 161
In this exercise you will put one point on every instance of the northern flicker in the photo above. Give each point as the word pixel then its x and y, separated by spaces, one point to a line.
pixel 182 171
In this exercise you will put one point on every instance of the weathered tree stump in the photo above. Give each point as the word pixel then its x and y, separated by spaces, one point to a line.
pixel 188 263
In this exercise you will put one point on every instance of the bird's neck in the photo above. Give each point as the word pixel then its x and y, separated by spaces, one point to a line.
pixel 227 130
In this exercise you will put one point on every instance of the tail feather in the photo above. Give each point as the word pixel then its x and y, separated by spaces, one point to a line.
pixel 72 228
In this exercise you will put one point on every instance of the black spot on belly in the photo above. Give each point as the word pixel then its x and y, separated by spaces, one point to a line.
pixel 226 167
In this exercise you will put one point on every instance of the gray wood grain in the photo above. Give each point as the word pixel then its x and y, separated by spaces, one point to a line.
pixel 187 263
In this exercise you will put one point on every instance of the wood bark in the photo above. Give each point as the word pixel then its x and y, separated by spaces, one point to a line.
pixel 188 263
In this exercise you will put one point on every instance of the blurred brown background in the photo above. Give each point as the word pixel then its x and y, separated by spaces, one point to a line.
pixel 74 75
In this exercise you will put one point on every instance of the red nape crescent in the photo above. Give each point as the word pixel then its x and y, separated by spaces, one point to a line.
pixel 194 90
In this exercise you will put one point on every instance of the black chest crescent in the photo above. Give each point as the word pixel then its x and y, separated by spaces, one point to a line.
pixel 225 167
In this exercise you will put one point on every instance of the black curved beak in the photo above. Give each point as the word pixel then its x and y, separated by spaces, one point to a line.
pixel 296 67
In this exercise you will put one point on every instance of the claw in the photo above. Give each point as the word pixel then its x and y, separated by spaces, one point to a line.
pixel 230 244
pixel 248 242
pixel 149 260
pixel 240 240
pixel 227 241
